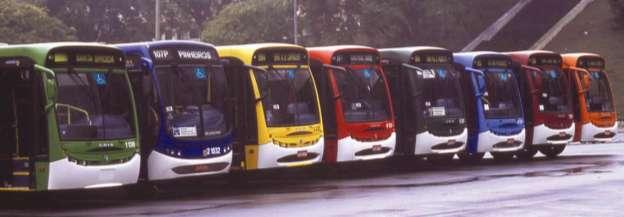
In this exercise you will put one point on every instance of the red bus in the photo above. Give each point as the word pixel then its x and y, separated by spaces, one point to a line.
pixel 355 103
pixel 547 101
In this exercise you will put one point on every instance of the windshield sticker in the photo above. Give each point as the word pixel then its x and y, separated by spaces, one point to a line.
pixel 367 73
pixel 437 111
pixel 212 133
pixel 99 78
pixel 200 73
pixel 442 73
pixel 356 106
pixel 595 75
pixel 428 74
pixel 503 76
pixel 552 74
pixel 184 131
pixel 291 74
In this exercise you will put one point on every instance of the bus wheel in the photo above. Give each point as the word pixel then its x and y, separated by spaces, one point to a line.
pixel 526 153
pixel 502 156
pixel 440 158
pixel 552 151
pixel 470 157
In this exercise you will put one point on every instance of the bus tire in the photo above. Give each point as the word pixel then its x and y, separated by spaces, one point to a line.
pixel 552 151
pixel 502 156
pixel 470 157
pixel 526 153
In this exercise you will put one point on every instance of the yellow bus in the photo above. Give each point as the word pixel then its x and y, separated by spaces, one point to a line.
pixel 278 121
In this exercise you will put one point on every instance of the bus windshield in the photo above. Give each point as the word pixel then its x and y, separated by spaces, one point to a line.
pixel 442 91
pixel 555 91
pixel 501 99
pixel 363 95
pixel 598 96
pixel 193 99
pixel 288 96
pixel 93 105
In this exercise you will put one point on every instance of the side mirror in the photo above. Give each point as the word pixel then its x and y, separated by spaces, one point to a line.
pixel 535 76
pixel 146 64
pixel 265 73
pixel 335 68
pixel 51 88
pixel 480 81
pixel 585 80
pixel 582 78
pixel 415 90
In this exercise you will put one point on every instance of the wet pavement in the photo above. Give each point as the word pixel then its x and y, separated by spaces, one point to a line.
pixel 587 180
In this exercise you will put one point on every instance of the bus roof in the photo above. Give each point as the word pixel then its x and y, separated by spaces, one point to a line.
pixel 571 59
pixel 401 55
pixel 39 51
pixel 245 52
pixel 324 54
pixel 522 57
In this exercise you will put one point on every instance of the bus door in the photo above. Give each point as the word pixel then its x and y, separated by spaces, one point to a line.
pixel 329 96
pixel 243 104
pixel 22 122
pixel 146 105
pixel 411 78
pixel 578 79
pixel 530 84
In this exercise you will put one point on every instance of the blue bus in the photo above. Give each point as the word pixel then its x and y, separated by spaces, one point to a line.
pixel 494 108
pixel 183 107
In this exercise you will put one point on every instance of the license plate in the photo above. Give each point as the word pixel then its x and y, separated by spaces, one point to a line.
pixel 608 132
pixel 302 154
pixel 376 148
pixel 510 141
pixel 451 142
pixel 201 168
pixel 562 134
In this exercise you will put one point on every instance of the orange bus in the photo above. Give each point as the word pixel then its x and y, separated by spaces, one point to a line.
pixel 595 114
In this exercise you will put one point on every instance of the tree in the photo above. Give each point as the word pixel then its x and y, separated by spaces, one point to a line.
pixel 105 21
pixel 133 20
pixel 28 23
pixel 251 21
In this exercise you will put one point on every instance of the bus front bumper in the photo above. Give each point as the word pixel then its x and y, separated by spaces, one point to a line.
pixel 427 143
pixel 161 166
pixel 593 133
pixel 543 135
pixel 490 142
pixel 271 155
pixel 69 175
pixel 350 149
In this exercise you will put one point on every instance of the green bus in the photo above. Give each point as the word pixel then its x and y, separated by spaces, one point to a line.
pixel 67 118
